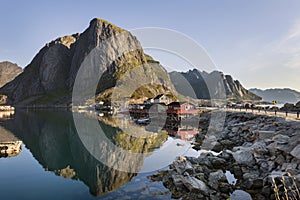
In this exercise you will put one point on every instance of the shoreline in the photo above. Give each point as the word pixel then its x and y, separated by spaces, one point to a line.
pixel 254 148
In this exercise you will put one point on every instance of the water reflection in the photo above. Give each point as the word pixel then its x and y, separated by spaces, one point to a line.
pixel 186 133
pixel 10 146
pixel 53 140
pixel 6 114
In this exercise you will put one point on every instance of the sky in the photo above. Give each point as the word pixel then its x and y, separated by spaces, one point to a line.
pixel 257 42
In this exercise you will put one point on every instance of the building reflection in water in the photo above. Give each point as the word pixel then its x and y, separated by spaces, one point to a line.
pixel 183 132
pixel 6 114
pixel 10 145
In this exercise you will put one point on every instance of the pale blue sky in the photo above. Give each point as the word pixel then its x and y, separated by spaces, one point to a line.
pixel 258 42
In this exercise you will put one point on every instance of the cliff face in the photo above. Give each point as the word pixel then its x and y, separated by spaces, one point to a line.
pixel 50 77
pixel 8 71
pixel 198 80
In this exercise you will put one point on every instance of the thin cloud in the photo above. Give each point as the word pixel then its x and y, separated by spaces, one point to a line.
pixel 284 52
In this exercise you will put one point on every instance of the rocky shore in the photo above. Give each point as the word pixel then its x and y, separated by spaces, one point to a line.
pixel 251 156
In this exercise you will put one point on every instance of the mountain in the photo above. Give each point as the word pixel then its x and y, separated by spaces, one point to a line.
pixel 102 49
pixel 196 83
pixel 8 71
pixel 285 95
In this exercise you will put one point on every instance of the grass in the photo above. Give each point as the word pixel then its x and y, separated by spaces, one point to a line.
pixel 118 29
pixel 289 189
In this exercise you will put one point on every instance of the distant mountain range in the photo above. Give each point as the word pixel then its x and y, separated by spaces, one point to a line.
pixel 194 83
pixel 285 95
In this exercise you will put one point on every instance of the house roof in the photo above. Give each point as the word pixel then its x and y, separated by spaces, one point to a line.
pixel 158 96
pixel 176 103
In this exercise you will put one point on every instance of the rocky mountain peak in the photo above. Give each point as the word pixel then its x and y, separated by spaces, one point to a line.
pixel 198 81
pixel 111 50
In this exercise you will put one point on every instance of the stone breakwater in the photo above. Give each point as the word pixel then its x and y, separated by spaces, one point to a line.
pixel 256 150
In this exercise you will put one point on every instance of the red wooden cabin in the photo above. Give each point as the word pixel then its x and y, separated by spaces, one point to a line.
pixel 182 108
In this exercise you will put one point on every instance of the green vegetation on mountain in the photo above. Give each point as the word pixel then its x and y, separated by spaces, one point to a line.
pixel 104 49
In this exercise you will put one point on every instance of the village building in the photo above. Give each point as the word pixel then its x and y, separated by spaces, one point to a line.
pixel 162 98
pixel 149 101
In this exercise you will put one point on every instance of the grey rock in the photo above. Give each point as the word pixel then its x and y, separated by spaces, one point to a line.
pixel 177 180
pixel 183 166
pixel 266 134
pixel 235 129
pixel 244 157
pixel 209 142
pixel 271 165
pixel 215 178
pixel 216 146
pixel 195 185
pixel 296 152
pixel 240 195
pixel 245 128
pixel 281 139
pixel 237 171
pixel 280 159
pixel 275 174
pixel 288 166
pixel 217 162
pixel 259 148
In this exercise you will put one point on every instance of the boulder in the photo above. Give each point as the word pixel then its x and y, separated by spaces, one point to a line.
pixel 244 157
pixel 280 159
pixel 217 162
pixel 195 185
pixel 177 180
pixel 215 178
pixel 266 134
pixel 296 152
pixel 216 146
pixel 281 139
pixel 240 194
pixel 259 148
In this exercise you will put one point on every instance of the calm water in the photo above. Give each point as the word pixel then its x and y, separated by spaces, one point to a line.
pixel 57 162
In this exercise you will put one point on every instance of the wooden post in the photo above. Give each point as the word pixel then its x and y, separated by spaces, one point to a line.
pixel 286 113
pixel 275 112
pixel 298 115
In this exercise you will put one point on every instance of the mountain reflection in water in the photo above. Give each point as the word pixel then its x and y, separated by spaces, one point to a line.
pixel 52 139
